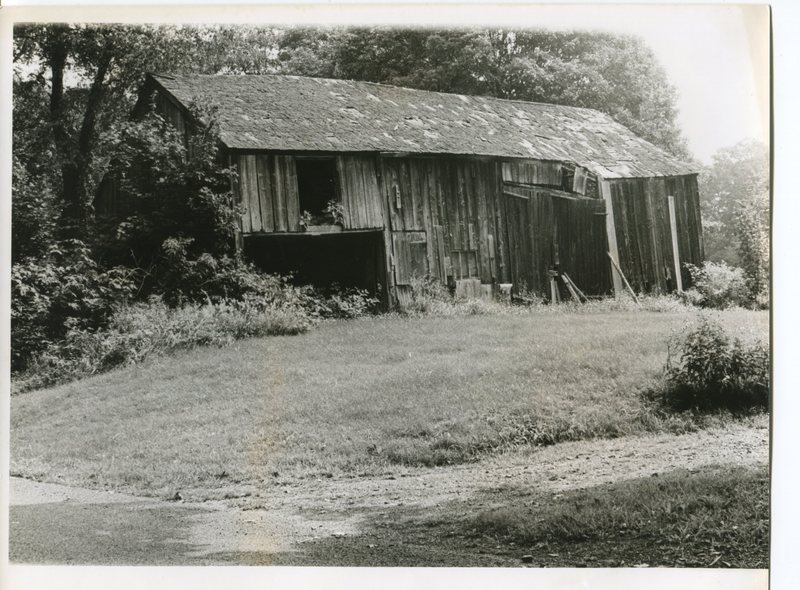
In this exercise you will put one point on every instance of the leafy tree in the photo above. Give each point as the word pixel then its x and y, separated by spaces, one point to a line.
pixel 734 193
pixel 84 79
pixel 33 211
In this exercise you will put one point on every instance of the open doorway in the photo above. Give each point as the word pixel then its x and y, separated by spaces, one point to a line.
pixel 344 259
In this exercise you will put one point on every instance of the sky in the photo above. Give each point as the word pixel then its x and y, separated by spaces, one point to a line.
pixel 717 57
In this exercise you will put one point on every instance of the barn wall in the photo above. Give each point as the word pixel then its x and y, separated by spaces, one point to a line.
pixel 267 190
pixel 644 242
pixel 448 209
pixel 455 218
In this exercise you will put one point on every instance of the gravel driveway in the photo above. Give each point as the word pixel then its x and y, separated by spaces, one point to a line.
pixel 51 523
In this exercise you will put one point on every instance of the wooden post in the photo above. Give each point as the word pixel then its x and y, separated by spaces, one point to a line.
pixel 611 232
pixel 627 284
pixel 574 286
pixel 572 292
pixel 553 290
pixel 675 254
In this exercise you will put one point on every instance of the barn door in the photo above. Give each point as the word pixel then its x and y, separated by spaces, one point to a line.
pixel 520 241
pixel 580 243
pixel 410 256
pixel 548 230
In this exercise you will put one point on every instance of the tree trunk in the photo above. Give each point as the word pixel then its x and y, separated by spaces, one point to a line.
pixel 76 213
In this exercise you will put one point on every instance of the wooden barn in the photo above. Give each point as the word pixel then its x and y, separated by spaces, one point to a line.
pixel 374 186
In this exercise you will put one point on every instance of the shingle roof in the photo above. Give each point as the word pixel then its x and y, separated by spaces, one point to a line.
pixel 272 112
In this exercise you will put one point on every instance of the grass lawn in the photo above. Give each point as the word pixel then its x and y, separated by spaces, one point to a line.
pixel 713 516
pixel 349 398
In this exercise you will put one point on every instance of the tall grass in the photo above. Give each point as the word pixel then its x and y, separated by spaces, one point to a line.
pixel 139 331
pixel 428 297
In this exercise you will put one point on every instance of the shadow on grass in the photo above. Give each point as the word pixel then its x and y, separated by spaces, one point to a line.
pixel 712 517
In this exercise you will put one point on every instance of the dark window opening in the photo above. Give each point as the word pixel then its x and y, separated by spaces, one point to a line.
pixel 316 185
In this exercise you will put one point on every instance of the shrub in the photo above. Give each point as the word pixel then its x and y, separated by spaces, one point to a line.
pixel 180 277
pixel 338 302
pixel 752 221
pixel 173 188
pixel 713 373
pixel 424 294
pixel 137 332
pixel 33 213
pixel 64 291
pixel 717 285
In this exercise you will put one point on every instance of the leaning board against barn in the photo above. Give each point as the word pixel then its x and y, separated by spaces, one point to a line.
pixel 373 186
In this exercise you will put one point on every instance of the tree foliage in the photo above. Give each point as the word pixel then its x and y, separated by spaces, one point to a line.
pixel 74 86
pixel 735 203
pixel 179 219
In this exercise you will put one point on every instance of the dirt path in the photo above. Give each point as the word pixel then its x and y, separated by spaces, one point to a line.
pixel 285 521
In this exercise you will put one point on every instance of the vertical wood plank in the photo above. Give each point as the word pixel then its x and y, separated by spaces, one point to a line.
pixel 450 187
pixel 292 195
pixel 424 173
pixel 391 295
pixel 438 237
pixel 343 172
pixel 250 187
pixel 482 218
pixel 372 194
pixel 279 192
pixel 675 256
pixel 611 233
pixel 265 197
pixel 501 230
pixel 658 282
pixel 360 188
pixel 392 192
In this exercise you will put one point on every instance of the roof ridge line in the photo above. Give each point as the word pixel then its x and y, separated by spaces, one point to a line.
pixel 381 84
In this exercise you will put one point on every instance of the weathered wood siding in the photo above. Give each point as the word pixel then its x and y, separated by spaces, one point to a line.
pixel 641 216
pixel 448 209
pixel 458 219
pixel 548 230
pixel 266 188
pixel 360 194
pixel 533 173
